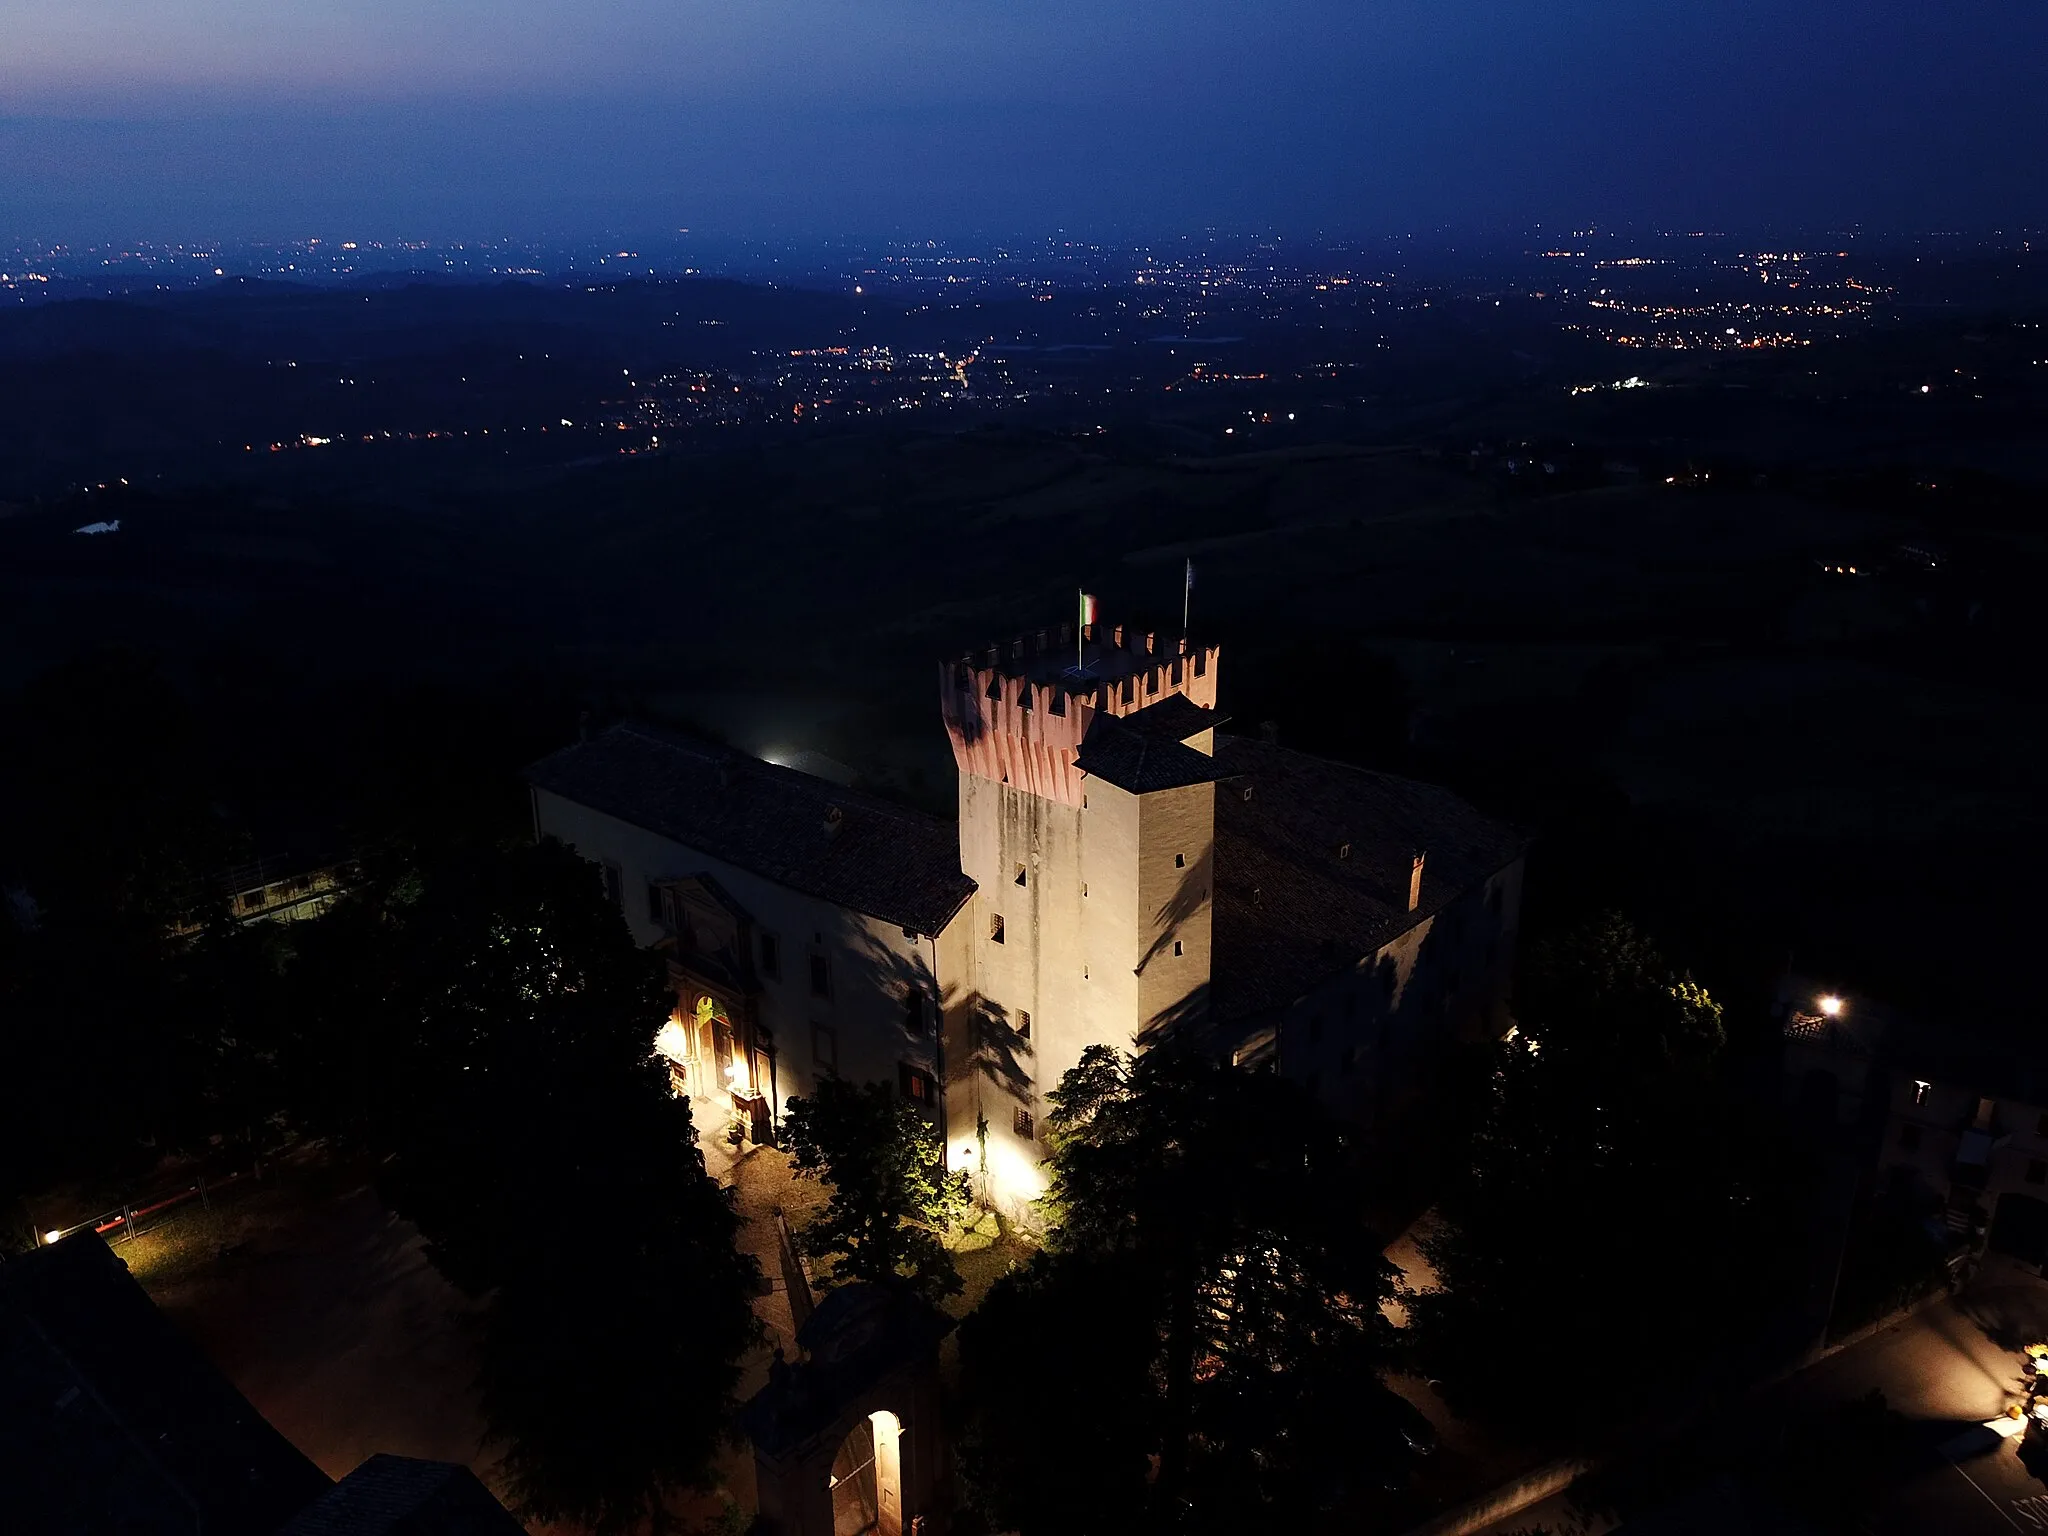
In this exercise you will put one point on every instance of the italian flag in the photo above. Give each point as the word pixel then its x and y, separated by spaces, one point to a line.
pixel 1087 609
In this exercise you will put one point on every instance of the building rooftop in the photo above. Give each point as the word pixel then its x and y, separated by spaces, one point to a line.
pixel 822 839
pixel 1142 757
pixel 398 1496
pixel 1313 861
pixel 114 1419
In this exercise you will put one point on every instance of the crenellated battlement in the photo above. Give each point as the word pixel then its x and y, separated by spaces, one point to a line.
pixel 1018 712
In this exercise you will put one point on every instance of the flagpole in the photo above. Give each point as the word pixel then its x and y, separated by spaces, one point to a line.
pixel 1187 597
pixel 1080 629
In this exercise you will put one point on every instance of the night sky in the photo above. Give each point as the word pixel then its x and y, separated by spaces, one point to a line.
pixel 448 119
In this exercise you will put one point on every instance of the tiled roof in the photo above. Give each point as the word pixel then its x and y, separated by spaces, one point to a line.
pixel 114 1421
pixel 875 858
pixel 1312 870
pixel 1174 717
pixel 1142 761
pixel 398 1496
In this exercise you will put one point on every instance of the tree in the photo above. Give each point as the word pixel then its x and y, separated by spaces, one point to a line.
pixel 892 1198
pixel 1614 1209
pixel 1200 1345
pixel 503 1060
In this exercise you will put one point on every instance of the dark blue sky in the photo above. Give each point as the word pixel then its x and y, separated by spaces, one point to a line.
pixel 448 119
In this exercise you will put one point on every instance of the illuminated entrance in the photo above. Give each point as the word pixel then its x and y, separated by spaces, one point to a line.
pixel 848 1440
pixel 867 1478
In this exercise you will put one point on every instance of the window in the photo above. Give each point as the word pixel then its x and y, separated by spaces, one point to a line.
pixel 1176 946
pixel 995 930
pixel 1909 1137
pixel 821 976
pixel 1202 666
pixel 1023 1023
pixel 2037 1172
pixel 771 955
pixel 1180 861
pixel 1920 1091
pixel 913 1010
pixel 916 1085
pixel 1020 1122
pixel 1020 874
pixel 1084 897
pixel 825 1049
pixel 656 908
pixel 614 884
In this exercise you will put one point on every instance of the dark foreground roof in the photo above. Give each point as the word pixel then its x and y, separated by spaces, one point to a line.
pixel 111 1420
pixel 1291 907
pixel 397 1496
pixel 878 859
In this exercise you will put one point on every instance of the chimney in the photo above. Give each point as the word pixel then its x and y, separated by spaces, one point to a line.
pixel 1415 883
pixel 995 656
pixel 1269 732
pixel 834 817
pixel 1041 642
pixel 1117 637
pixel 1149 638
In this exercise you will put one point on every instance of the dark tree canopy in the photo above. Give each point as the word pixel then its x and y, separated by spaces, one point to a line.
pixel 1615 1200
pixel 497 1021
pixel 892 1197
pixel 1200 1345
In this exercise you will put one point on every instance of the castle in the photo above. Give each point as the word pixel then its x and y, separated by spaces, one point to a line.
pixel 1122 870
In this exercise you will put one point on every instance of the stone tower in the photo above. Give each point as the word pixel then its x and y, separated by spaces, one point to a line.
pixel 1087 820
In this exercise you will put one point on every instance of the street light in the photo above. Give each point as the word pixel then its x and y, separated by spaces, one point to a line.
pixel 51 1237
pixel 1831 1006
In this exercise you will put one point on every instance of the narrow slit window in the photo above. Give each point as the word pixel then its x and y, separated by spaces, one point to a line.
pixel 995 930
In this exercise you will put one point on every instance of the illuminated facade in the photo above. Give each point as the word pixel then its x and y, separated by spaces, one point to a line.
pixel 1121 871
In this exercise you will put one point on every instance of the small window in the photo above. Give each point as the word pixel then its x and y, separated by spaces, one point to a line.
pixel 1020 875
pixel 656 908
pixel 1084 897
pixel 1201 667
pixel 1023 1023
pixel 995 929
pixel 913 1011
pixel 771 955
pixel 614 884
pixel 916 1085
pixel 821 976
pixel 1020 1122
pixel 1180 861
pixel 1176 946
pixel 2037 1172
pixel 1920 1091
pixel 824 1048
pixel 1909 1137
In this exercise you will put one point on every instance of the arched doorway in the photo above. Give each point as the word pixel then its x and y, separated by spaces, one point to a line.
pixel 867 1478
